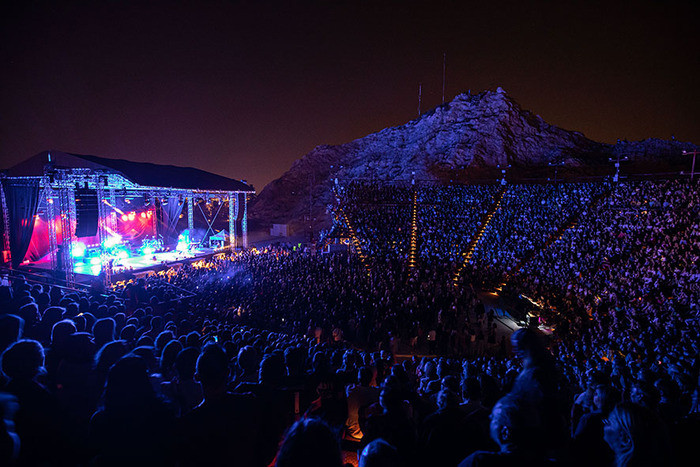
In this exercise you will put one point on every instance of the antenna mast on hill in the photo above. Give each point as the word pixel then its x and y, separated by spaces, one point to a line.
pixel 420 95
pixel 444 61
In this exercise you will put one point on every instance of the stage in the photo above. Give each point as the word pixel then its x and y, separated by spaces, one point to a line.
pixel 86 218
pixel 134 265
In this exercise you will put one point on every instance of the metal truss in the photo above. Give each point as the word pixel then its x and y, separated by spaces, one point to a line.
pixel 244 221
pixel 232 214
pixel 5 220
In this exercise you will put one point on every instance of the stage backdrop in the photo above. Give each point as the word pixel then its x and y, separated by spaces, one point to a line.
pixel 22 198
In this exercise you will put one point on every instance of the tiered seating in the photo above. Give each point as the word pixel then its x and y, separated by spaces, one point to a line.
pixel 448 218
pixel 528 216
pixel 381 216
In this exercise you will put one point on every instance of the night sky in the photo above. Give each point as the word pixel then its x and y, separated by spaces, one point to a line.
pixel 243 89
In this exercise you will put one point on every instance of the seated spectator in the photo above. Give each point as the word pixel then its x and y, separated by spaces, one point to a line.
pixel 309 442
pixel 224 426
pixel 103 331
pixel 379 453
pixel 637 437
pixel 11 328
pixel 588 447
pixel 166 362
pixel 134 426
pixel 359 397
pixel 183 390
pixel 107 356
pixel 38 420
pixel 583 403
pixel 447 435
pixel 686 433
pixel 395 424
pixel 515 425
pixel 9 440
pixel 275 402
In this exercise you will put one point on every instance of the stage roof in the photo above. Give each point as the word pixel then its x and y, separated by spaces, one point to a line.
pixel 141 173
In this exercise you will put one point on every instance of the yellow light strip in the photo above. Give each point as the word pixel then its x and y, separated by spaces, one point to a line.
pixel 475 241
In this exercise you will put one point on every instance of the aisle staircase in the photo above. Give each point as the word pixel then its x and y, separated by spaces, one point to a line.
pixel 414 232
pixel 355 240
pixel 486 220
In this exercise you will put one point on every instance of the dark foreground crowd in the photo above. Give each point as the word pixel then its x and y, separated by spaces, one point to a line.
pixel 289 359
pixel 87 382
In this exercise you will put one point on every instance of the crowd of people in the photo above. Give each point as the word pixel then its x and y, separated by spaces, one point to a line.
pixel 527 217
pixel 381 216
pixel 448 218
pixel 284 357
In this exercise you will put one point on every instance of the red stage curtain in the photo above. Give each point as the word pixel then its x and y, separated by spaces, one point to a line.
pixel 22 196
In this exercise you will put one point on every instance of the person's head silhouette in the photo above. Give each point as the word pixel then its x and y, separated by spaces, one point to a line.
pixel 309 442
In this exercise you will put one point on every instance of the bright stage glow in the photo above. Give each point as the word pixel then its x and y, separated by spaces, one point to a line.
pixel 183 241
pixel 95 260
pixel 132 215
pixel 113 241
pixel 125 217
pixel 78 250
pixel 148 251
pixel 143 215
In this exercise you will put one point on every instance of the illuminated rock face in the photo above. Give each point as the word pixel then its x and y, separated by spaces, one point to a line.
pixel 472 132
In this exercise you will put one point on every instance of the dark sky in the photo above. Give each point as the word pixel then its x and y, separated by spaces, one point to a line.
pixel 243 88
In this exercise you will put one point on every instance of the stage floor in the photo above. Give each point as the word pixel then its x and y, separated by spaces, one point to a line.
pixel 133 264
pixel 139 263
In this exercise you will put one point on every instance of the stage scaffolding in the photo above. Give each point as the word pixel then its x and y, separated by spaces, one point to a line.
pixel 58 188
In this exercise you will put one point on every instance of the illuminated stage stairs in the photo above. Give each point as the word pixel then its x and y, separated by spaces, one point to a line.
pixel 355 240
pixel 480 233
pixel 414 232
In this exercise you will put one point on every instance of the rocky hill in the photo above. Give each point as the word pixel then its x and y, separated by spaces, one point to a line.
pixel 469 136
